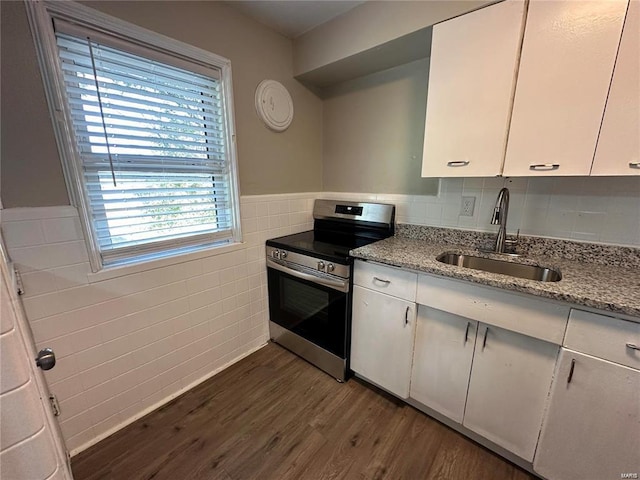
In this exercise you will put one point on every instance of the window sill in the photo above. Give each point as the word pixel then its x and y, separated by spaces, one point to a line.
pixel 116 271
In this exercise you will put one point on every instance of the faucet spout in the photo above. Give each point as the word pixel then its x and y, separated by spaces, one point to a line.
pixel 500 213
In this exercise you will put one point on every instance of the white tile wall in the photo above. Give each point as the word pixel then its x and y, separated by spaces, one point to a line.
pixel 129 343
pixel 593 209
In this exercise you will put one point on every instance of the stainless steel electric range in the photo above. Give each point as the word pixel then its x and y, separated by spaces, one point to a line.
pixel 309 280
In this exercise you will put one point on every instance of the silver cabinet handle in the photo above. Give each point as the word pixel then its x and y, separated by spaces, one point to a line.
pixel 544 166
pixel 633 346
pixel 381 280
pixel 458 163
pixel 573 365
pixel 634 164
pixel 406 317
pixel 484 342
pixel 466 333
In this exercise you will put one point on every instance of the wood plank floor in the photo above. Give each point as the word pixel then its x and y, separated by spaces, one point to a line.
pixel 274 416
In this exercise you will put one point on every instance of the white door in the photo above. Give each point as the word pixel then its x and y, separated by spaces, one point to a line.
pixel 592 427
pixel 510 380
pixel 31 447
pixel 567 60
pixel 442 357
pixel 471 80
pixel 382 339
pixel 618 151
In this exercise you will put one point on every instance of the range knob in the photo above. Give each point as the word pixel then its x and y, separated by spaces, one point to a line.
pixel 320 265
pixel 330 267
pixel 283 254
pixel 275 254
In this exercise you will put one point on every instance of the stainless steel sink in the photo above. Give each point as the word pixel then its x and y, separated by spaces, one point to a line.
pixel 520 270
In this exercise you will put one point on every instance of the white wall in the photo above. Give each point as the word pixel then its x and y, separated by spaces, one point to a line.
pixel 28 447
pixel 132 342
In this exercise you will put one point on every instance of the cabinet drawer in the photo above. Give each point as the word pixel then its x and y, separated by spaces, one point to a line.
pixel 538 318
pixel 604 337
pixel 389 280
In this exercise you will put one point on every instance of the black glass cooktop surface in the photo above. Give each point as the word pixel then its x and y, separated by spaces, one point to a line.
pixel 332 247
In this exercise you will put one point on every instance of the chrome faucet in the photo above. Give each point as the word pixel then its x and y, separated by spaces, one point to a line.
pixel 499 217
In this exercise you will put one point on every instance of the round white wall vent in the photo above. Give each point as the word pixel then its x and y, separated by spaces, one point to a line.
pixel 274 105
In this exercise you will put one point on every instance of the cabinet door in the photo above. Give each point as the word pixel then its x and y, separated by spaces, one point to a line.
pixel 592 426
pixel 618 151
pixel 566 65
pixel 382 339
pixel 509 384
pixel 471 79
pixel 442 356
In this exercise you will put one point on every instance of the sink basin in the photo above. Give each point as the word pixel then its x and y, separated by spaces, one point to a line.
pixel 520 270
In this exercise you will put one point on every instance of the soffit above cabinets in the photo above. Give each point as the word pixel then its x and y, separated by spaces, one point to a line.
pixel 405 49
pixel 372 37
pixel 292 18
pixel 336 41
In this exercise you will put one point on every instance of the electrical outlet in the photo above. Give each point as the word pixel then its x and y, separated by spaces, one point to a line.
pixel 467 207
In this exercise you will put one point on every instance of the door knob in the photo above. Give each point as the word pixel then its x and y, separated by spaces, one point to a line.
pixel 46 359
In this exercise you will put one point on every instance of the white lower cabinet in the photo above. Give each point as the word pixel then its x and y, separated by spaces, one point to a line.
pixel 495 380
pixel 382 339
pixel 592 427
pixel 442 358
pixel 502 377
pixel 508 389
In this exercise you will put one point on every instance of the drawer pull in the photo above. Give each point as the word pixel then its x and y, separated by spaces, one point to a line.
pixel 458 163
pixel 544 166
pixel 406 317
pixel 381 280
pixel 466 333
pixel 484 342
pixel 573 365
pixel 633 346
pixel 634 164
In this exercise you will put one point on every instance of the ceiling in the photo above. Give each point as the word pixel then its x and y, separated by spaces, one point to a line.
pixel 292 18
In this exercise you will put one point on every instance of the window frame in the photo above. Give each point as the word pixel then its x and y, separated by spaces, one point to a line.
pixel 41 16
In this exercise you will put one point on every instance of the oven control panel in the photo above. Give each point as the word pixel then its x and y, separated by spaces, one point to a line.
pixel 326 267
pixel 279 254
pixel 283 257
pixel 355 212
pixel 349 210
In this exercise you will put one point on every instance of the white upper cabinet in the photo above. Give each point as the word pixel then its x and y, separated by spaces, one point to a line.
pixel 618 150
pixel 566 65
pixel 471 80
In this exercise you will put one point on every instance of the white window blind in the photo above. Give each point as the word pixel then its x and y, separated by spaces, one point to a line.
pixel 151 140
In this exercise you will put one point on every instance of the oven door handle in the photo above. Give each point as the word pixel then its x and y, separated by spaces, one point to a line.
pixel 340 285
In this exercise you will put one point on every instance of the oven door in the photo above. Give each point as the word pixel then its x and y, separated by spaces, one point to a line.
pixel 315 312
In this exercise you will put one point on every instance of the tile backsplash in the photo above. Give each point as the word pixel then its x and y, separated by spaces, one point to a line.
pixel 592 209
pixel 130 343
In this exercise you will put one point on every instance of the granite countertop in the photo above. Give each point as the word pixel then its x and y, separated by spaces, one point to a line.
pixel 586 280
